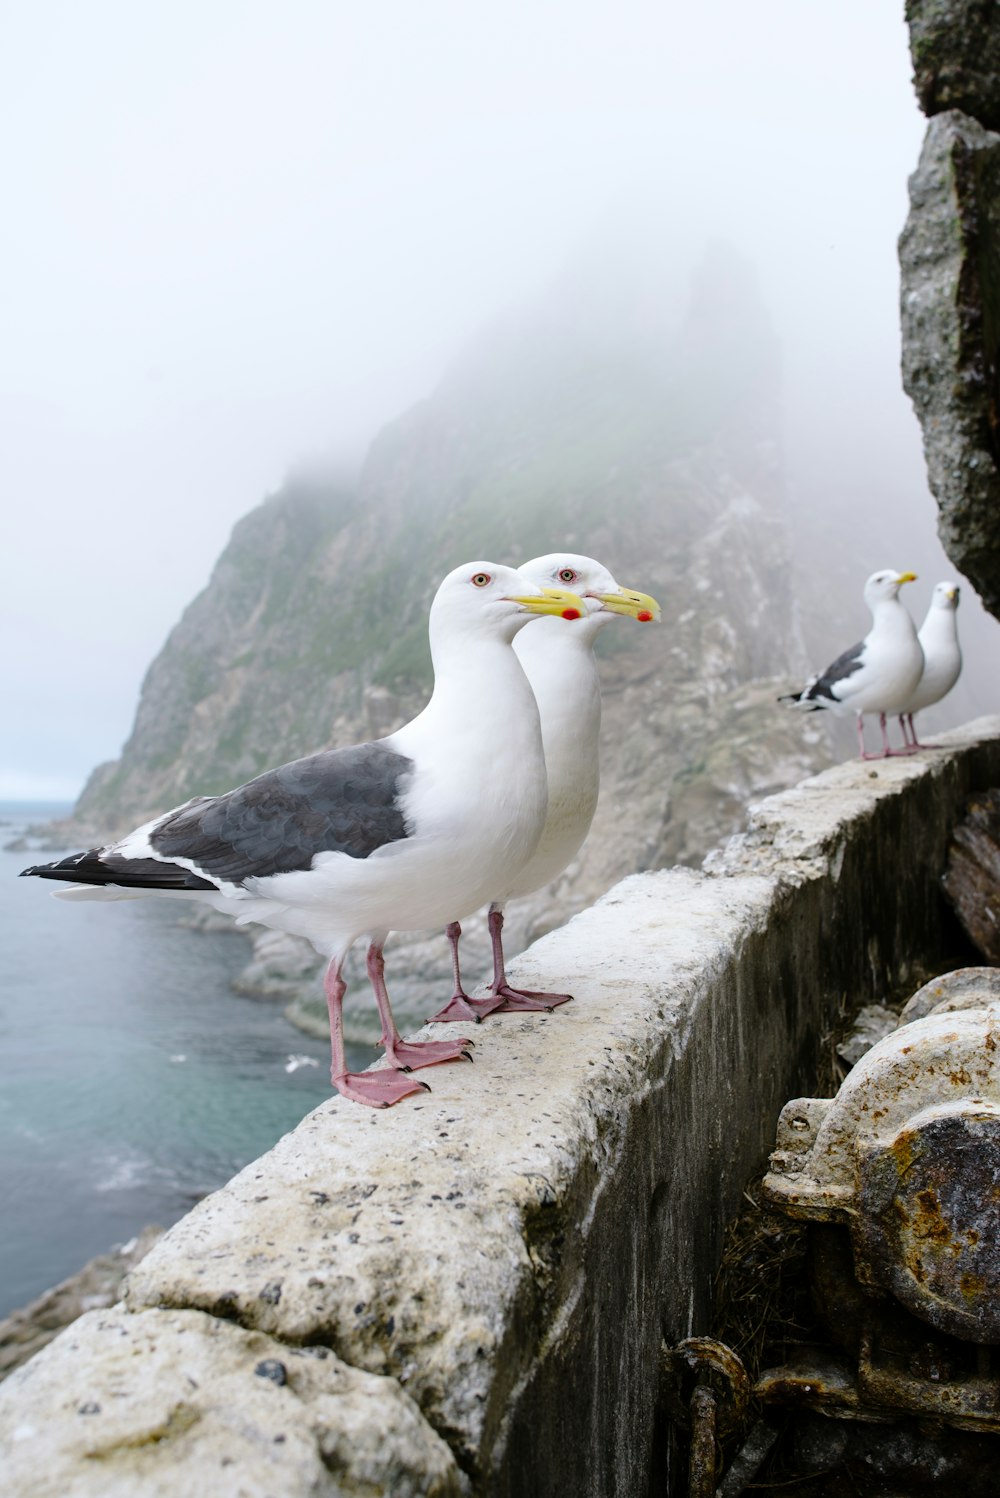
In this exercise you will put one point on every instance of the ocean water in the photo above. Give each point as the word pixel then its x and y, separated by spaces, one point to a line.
pixel 133 1080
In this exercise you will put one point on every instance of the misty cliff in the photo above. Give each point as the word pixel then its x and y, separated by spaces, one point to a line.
pixel 600 424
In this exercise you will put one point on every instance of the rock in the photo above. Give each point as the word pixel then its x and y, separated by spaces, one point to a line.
pixel 175 1402
pixel 27 1331
pixel 950 312
pixel 871 1023
pixel 955 47
pixel 282 966
pixel 972 878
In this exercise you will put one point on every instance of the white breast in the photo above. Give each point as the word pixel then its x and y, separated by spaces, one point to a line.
pixel 558 659
pixel 942 659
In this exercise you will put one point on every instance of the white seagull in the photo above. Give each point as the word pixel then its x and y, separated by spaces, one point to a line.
pixel 404 833
pixel 942 657
pixel 878 675
pixel 559 661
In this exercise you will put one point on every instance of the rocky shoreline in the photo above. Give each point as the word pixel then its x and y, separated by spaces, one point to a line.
pixel 97 1285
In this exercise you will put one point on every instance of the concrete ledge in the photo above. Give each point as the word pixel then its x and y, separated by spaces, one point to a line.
pixel 510 1250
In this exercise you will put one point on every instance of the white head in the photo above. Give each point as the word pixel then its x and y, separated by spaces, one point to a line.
pixel 886 584
pixel 945 596
pixel 602 596
pixel 487 600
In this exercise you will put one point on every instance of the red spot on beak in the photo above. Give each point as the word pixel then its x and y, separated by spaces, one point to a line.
pixel 571 613
pixel 644 616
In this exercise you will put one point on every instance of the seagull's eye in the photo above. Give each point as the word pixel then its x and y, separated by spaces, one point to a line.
pixel 567 575
pixel 481 579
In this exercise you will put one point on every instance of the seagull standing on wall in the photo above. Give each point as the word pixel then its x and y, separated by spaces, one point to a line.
pixel 558 659
pixel 878 675
pixel 942 658
pixel 405 833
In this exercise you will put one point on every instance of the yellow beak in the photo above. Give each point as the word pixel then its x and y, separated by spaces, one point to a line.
pixel 907 577
pixel 626 601
pixel 556 601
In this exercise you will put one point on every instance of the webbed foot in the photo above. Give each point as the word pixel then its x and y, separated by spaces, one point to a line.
pixel 460 1007
pixel 379 1089
pixel 526 1000
pixel 413 1054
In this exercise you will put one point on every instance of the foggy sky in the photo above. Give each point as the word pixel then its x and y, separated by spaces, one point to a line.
pixel 238 234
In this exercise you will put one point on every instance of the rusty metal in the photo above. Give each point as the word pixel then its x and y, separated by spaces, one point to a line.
pixel 928 1227
pixel 703 1361
pixel 701 1463
pixel 816 1378
pixel 968 1402
pixel 907 1155
pixel 900 1173
pixel 706 1391
pixel 886 1361
pixel 965 988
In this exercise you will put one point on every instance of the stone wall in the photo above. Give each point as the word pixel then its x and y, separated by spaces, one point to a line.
pixel 466 1294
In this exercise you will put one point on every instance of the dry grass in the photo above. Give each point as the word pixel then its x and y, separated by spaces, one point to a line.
pixel 761 1298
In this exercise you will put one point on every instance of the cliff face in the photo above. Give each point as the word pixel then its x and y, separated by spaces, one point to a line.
pixel 950 279
pixel 652 448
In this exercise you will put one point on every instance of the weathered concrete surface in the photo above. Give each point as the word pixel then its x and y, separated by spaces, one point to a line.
pixel 955 46
pixel 472 1245
pixel 174 1402
pixel 510 1250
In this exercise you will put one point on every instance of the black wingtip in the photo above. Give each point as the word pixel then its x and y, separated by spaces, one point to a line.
pixel 59 868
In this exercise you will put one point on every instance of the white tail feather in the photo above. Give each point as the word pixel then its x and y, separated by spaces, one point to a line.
pixel 98 892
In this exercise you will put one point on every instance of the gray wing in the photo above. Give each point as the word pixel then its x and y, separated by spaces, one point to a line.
pixel 843 667
pixel 340 801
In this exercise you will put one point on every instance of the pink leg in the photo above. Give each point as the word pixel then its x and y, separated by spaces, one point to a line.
pixel 861 740
pixel 514 1000
pixel 887 752
pixel 460 1006
pixel 412 1054
pixel 916 742
pixel 379 1089
pixel 910 740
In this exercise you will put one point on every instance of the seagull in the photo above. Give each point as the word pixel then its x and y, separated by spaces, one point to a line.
pixel 403 833
pixel 558 658
pixel 942 658
pixel 879 674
